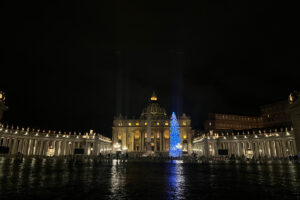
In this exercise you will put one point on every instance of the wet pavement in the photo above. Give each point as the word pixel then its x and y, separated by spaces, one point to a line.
pixel 40 178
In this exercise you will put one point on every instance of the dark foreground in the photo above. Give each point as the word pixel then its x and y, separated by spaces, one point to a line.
pixel 59 179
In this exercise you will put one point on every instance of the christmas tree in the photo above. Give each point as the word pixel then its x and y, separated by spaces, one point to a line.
pixel 175 141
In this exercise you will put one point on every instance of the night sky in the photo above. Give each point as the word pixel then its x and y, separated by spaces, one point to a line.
pixel 74 66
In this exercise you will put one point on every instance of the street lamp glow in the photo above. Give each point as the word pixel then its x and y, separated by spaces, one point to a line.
pixel 117 145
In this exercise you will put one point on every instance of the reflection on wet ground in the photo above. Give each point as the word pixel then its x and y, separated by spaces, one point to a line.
pixel 36 178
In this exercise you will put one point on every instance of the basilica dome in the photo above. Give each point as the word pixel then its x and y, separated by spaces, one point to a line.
pixel 154 108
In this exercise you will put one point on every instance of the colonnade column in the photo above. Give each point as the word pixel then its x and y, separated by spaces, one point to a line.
pixel 56 147
pixel 294 147
pixel 20 146
pixel 279 153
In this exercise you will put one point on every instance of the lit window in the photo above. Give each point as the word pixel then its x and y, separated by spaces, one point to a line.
pixel 146 123
pixel 129 124
pixel 137 124
pixel 157 123
pixel 209 123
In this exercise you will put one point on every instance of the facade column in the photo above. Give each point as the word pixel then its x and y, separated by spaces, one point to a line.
pixel 260 149
pixel 274 149
pixel 15 146
pixel 283 149
pixel 160 141
pixel 67 149
pixel 86 151
pixel 154 138
pixel 4 142
pixel 96 147
pixel 46 146
pixel 240 150
pixel 269 148
pixel 37 147
pixel 25 146
pixel 279 155
pixel 64 148
pixel 263 148
pixel 143 140
pixel 29 147
pixel 257 149
pixel 10 145
pixel 228 148
pixel 40 147
pixel 20 145
pixel 32 146
pixel 55 147
pixel 140 141
pixel 243 148
pixel 73 147
pixel 294 147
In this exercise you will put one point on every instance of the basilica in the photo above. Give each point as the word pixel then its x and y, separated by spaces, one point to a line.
pixel 130 135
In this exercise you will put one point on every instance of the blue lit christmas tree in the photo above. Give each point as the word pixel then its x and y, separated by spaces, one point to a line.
pixel 175 141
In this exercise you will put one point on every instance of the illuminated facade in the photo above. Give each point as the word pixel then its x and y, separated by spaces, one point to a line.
pixel 271 143
pixel 219 121
pixel 130 135
pixel 274 114
pixel 36 143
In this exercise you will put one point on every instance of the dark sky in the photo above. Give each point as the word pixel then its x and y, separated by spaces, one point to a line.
pixel 74 66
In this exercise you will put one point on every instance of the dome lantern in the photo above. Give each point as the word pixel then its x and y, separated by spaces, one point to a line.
pixel 153 97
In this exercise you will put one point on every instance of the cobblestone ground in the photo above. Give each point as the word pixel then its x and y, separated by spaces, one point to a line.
pixel 41 178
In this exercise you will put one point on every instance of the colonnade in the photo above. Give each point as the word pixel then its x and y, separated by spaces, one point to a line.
pixel 272 145
pixel 51 144
pixel 262 148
